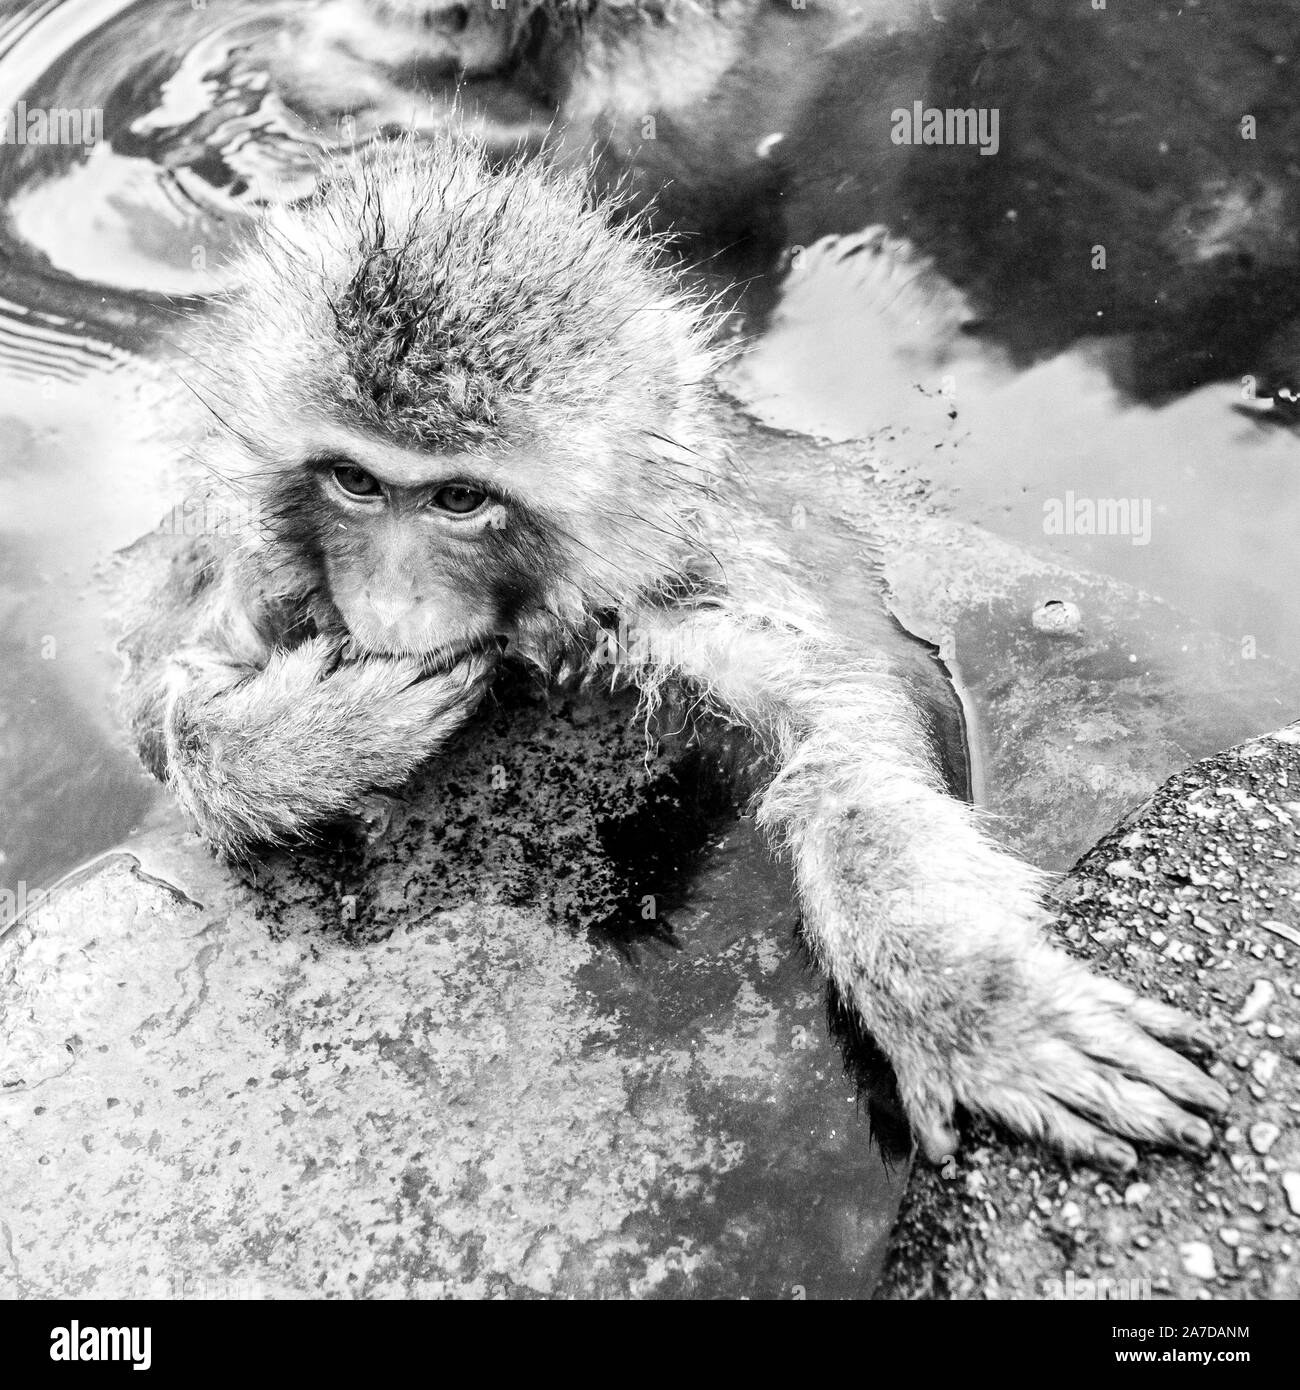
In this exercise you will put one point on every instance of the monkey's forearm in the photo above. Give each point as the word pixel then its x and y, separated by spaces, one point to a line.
pixel 926 926
pixel 856 796
pixel 265 757
pixel 855 784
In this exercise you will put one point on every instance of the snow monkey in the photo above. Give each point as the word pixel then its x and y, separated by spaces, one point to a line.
pixel 473 410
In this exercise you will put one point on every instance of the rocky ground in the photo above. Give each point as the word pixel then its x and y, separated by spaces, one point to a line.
pixel 1194 898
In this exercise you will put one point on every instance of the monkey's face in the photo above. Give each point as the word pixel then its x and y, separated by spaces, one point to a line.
pixel 420 553
pixel 472 404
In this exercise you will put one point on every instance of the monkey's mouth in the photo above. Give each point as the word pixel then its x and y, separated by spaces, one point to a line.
pixel 446 658
pixel 436 662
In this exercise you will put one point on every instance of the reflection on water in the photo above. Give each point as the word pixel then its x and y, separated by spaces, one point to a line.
pixel 193 140
pixel 71 492
pixel 1205 500
pixel 208 113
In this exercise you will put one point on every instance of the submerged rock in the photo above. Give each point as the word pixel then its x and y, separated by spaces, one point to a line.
pixel 1207 917
pixel 496 1051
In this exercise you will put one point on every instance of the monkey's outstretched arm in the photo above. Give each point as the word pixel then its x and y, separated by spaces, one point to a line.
pixel 262 743
pixel 925 925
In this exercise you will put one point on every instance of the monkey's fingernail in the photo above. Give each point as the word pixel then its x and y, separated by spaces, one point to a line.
pixel 1114 1153
pixel 1215 1098
pixel 1197 1134
pixel 939 1143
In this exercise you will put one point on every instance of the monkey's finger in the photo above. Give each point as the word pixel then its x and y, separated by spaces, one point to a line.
pixel 448 683
pixel 1038 1116
pixel 1122 1046
pixel 935 1136
pixel 306 664
pixel 1172 1025
pixel 468 678
pixel 1160 1020
pixel 443 703
pixel 1122 1105
pixel 475 657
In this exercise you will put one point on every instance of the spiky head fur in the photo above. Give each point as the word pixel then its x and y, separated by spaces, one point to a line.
pixel 498 321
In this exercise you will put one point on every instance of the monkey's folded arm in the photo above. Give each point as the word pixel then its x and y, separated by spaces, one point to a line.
pixel 265 755
pixel 929 929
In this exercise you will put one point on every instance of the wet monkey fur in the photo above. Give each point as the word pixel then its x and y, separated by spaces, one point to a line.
pixel 474 414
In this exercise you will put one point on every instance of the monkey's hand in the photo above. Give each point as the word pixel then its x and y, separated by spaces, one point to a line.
pixel 984 1015
pixel 930 931
pixel 267 758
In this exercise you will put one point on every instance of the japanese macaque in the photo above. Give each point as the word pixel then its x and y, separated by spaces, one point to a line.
pixel 473 414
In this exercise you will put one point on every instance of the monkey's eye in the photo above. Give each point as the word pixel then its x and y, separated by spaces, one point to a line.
pixel 356 482
pixel 459 498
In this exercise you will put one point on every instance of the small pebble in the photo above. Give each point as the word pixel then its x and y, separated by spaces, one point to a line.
pixel 1229 1235
pixel 1263 1136
pixel 1136 1193
pixel 1291 1186
pixel 1198 1259
pixel 1264 1067
pixel 1058 616
pixel 1262 993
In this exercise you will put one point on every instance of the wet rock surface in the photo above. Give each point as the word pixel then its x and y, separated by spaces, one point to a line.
pixel 1194 898
pixel 550 1033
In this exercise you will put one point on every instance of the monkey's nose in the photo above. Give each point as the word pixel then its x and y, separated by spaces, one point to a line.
pixel 389 611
